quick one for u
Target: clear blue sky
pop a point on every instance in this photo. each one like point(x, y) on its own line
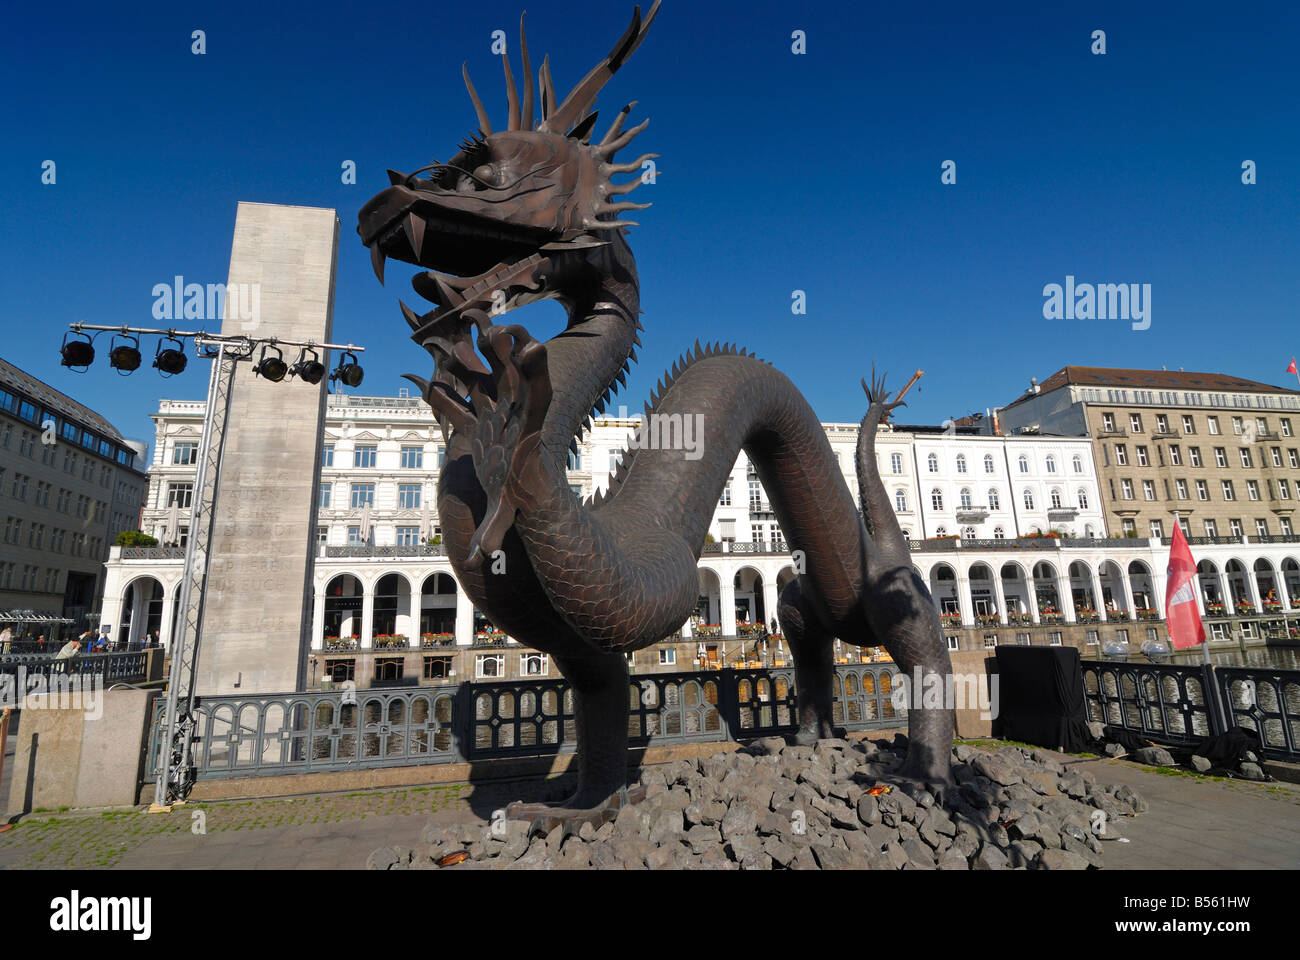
point(780, 172)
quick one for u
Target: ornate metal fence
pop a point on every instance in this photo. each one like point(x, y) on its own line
point(1182, 705)
point(1163, 701)
point(1267, 701)
point(350, 729)
point(311, 732)
point(113, 667)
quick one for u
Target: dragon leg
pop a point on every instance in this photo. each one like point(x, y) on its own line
point(813, 649)
point(601, 708)
point(901, 614)
point(600, 688)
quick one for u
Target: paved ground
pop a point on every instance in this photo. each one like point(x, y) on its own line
point(1194, 822)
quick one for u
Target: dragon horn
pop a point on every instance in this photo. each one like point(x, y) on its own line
point(631, 166)
point(512, 99)
point(617, 125)
point(548, 90)
point(614, 146)
point(485, 127)
point(567, 113)
point(526, 116)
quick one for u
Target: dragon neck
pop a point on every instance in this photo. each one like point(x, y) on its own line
point(592, 354)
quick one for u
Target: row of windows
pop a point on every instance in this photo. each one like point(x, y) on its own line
point(1235, 527)
point(1188, 399)
point(1241, 426)
point(1227, 489)
point(969, 532)
point(50, 455)
point(486, 666)
point(1273, 455)
point(28, 577)
point(1022, 462)
point(405, 536)
point(965, 500)
point(60, 426)
point(21, 486)
point(366, 455)
point(58, 538)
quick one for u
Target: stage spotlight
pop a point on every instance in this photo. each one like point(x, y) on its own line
point(310, 369)
point(77, 353)
point(171, 360)
point(349, 372)
point(272, 368)
point(125, 357)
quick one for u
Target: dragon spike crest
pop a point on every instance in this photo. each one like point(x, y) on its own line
point(517, 206)
point(574, 116)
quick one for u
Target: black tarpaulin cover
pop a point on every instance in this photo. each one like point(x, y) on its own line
point(1040, 697)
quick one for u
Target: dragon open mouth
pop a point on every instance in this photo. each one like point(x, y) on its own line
point(412, 226)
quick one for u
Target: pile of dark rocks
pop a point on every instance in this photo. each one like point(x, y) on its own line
point(829, 806)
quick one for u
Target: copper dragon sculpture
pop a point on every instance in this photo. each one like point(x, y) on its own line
point(531, 212)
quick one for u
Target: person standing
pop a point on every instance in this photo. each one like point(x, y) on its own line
point(70, 649)
point(6, 636)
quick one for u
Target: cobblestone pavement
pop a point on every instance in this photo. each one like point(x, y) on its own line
point(1193, 822)
point(325, 831)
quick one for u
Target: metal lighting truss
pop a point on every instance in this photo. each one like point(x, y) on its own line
point(176, 771)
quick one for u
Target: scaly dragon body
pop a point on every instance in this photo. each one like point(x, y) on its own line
point(527, 214)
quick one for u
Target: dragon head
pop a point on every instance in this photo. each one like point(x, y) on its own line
point(501, 222)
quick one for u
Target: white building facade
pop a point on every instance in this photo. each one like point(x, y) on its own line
point(383, 584)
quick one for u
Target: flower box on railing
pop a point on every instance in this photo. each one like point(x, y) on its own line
point(987, 619)
point(1295, 604)
point(1087, 616)
point(1146, 613)
point(1272, 604)
point(336, 644)
point(950, 619)
point(1019, 618)
point(1244, 609)
point(437, 640)
point(1215, 610)
point(749, 629)
point(389, 641)
point(708, 631)
point(1051, 618)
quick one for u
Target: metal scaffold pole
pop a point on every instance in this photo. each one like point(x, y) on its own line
point(175, 768)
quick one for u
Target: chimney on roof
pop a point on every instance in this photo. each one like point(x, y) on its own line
point(1033, 384)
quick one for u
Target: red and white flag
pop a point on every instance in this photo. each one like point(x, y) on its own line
point(1292, 368)
point(1185, 629)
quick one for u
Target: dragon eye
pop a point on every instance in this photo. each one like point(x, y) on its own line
point(487, 173)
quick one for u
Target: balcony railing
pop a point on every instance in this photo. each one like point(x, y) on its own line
point(771, 547)
point(153, 553)
point(393, 550)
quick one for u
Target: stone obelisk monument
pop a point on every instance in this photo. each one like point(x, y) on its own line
point(257, 605)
